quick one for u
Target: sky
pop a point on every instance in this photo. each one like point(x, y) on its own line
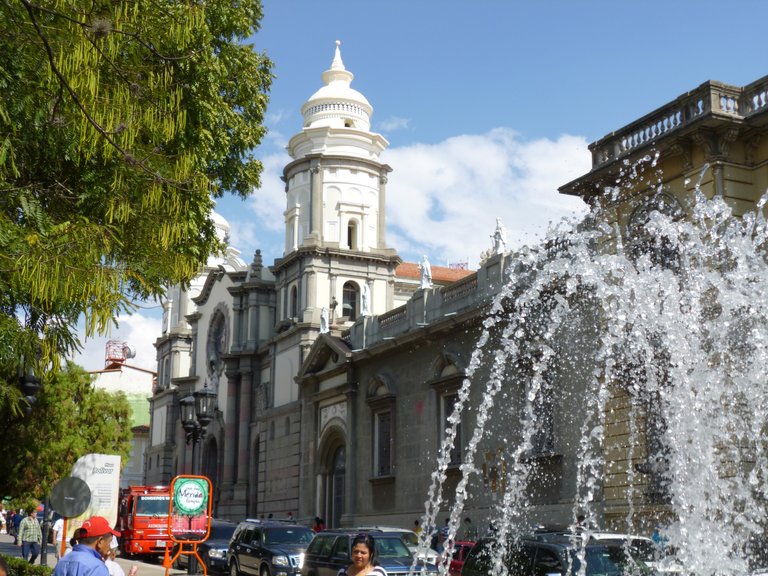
point(488, 106)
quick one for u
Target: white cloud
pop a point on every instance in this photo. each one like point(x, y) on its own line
point(443, 199)
point(394, 123)
point(139, 330)
point(258, 221)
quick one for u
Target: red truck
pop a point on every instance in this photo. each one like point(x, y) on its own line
point(143, 520)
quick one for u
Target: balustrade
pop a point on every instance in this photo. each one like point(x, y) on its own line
point(711, 97)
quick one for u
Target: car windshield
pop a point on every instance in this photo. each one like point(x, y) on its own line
point(410, 539)
point(644, 550)
point(390, 547)
point(152, 506)
point(601, 561)
point(293, 535)
point(222, 531)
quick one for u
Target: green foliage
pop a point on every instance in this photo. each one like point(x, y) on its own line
point(69, 419)
point(120, 121)
point(19, 567)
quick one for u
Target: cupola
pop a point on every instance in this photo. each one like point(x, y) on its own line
point(337, 104)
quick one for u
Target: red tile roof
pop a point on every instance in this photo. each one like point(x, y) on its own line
point(440, 274)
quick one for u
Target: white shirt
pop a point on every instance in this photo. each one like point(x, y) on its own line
point(58, 527)
point(114, 568)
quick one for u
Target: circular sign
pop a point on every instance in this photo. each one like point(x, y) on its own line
point(70, 497)
point(190, 496)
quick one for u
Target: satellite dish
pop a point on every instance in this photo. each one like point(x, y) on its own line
point(70, 497)
point(129, 351)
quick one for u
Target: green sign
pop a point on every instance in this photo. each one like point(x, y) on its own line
point(190, 496)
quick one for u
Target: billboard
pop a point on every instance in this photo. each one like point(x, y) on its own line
point(102, 474)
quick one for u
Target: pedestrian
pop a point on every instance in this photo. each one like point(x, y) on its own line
point(319, 524)
point(94, 544)
point(17, 518)
point(58, 536)
point(416, 527)
point(469, 530)
point(363, 558)
point(30, 536)
point(114, 568)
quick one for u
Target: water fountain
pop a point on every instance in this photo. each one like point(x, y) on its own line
point(663, 327)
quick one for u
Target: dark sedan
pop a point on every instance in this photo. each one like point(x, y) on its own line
point(214, 550)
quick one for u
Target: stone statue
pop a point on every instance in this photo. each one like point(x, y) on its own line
point(426, 273)
point(214, 368)
point(324, 320)
point(365, 297)
point(334, 303)
point(499, 238)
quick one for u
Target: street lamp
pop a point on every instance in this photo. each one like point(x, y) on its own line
point(197, 411)
point(29, 384)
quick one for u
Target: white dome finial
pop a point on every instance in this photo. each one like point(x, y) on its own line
point(337, 63)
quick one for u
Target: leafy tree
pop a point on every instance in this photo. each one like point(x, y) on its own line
point(120, 122)
point(71, 418)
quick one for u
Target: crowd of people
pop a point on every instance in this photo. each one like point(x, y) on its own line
point(91, 551)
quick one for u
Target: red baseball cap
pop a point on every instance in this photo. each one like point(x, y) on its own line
point(96, 526)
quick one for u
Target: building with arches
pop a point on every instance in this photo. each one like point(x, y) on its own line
point(336, 368)
point(245, 330)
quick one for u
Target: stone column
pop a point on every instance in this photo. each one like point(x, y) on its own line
point(253, 321)
point(240, 492)
point(382, 223)
point(352, 435)
point(316, 208)
point(230, 436)
point(237, 328)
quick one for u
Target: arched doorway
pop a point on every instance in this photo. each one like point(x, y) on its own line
point(336, 485)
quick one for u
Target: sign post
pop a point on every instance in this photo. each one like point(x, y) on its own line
point(189, 518)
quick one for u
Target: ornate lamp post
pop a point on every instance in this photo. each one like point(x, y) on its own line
point(197, 411)
point(29, 385)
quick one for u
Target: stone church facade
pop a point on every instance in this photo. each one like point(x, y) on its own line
point(336, 372)
point(245, 330)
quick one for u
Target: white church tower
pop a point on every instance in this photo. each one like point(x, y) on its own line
point(335, 255)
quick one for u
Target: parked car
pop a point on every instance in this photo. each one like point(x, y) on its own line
point(640, 548)
point(411, 540)
point(214, 550)
point(546, 557)
point(330, 550)
point(267, 548)
point(461, 549)
point(644, 549)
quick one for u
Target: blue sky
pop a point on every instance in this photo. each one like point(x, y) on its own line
point(488, 106)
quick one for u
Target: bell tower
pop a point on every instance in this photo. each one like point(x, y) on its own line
point(335, 186)
point(335, 254)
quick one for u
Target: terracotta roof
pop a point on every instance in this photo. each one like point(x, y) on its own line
point(440, 274)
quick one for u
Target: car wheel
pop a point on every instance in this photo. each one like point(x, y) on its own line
point(233, 571)
point(264, 571)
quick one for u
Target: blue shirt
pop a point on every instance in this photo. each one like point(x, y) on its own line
point(82, 561)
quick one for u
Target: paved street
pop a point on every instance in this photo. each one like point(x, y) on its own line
point(7, 548)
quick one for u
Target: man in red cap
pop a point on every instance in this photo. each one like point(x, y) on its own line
point(94, 541)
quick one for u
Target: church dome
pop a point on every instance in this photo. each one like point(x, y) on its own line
point(221, 225)
point(337, 104)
